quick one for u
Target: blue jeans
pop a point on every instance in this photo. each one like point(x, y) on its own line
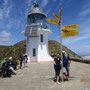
point(7, 70)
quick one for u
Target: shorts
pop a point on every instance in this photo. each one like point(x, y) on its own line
point(66, 69)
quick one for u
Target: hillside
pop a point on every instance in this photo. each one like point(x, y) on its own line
point(18, 48)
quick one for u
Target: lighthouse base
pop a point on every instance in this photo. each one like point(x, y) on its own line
point(37, 47)
point(40, 61)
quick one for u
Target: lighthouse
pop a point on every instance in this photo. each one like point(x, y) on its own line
point(37, 36)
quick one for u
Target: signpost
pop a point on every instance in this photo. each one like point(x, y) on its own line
point(68, 33)
point(65, 31)
point(71, 26)
point(60, 13)
point(53, 21)
point(56, 16)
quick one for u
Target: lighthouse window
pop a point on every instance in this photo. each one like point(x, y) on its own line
point(34, 52)
point(41, 37)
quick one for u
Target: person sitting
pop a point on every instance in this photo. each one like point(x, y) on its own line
point(11, 65)
point(4, 68)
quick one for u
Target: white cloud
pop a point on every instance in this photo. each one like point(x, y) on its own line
point(85, 9)
point(5, 37)
point(54, 0)
point(5, 11)
point(85, 46)
point(69, 1)
point(73, 40)
point(64, 1)
point(5, 2)
point(44, 3)
point(85, 12)
point(48, 11)
point(80, 48)
point(28, 6)
point(7, 8)
point(9, 22)
point(1, 14)
point(86, 4)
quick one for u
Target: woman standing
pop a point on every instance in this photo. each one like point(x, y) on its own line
point(57, 67)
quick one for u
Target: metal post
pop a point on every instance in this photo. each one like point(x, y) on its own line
point(61, 37)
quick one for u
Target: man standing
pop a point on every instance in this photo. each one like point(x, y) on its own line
point(66, 64)
point(21, 59)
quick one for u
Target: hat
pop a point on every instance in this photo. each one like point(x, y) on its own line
point(63, 52)
point(10, 58)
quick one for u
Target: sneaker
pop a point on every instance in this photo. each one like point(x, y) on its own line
point(58, 82)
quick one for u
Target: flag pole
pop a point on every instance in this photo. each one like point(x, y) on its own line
point(60, 13)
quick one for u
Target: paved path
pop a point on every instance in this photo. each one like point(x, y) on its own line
point(40, 77)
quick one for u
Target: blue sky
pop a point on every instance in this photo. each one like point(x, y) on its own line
point(13, 19)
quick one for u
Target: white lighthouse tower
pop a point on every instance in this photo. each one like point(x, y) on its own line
point(37, 36)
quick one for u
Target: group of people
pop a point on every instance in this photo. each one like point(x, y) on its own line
point(8, 67)
point(62, 64)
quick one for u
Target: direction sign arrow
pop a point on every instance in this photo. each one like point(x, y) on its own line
point(71, 26)
point(56, 16)
point(68, 33)
point(53, 21)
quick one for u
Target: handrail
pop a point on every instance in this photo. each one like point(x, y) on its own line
point(33, 24)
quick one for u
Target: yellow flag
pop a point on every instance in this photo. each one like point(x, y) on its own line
point(53, 21)
point(56, 16)
point(71, 26)
point(68, 33)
